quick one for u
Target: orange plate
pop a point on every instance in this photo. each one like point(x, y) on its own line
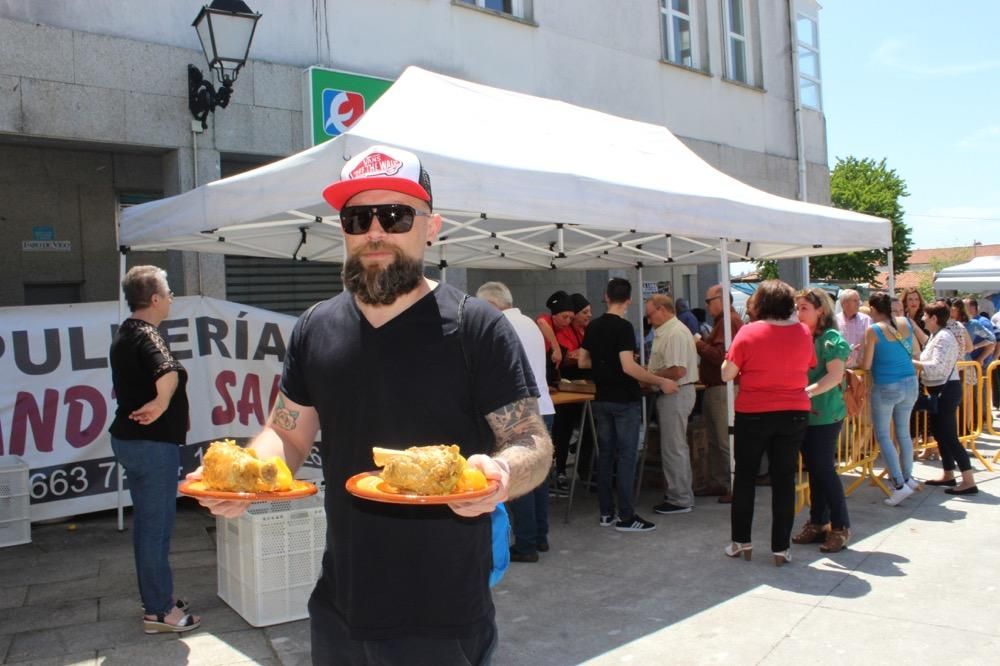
point(369, 486)
point(299, 490)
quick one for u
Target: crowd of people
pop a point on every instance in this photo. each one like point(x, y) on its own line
point(788, 361)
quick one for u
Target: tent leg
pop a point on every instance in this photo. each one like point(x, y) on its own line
point(118, 467)
point(727, 329)
point(892, 273)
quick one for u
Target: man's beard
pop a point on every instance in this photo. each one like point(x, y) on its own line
point(378, 285)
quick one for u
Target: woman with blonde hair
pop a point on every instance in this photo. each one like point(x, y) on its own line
point(828, 520)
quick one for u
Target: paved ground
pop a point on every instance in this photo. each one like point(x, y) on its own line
point(918, 585)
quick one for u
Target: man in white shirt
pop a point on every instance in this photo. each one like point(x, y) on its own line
point(530, 512)
point(852, 324)
point(674, 356)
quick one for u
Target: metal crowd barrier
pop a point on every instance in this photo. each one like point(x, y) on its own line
point(857, 449)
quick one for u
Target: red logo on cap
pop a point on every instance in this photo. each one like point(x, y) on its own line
point(376, 164)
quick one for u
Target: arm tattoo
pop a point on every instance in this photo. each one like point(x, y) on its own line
point(284, 418)
point(524, 442)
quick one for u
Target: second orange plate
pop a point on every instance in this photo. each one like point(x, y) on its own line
point(369, 485)
point(198, 489)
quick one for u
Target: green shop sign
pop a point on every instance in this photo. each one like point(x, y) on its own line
point(336, 100)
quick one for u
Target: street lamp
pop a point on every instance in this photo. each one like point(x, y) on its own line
point(225, 29)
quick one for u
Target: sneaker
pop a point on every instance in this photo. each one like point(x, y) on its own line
point(668, 509)
point(898, 495)
point(914, 484)
point(607, 520)
point(634, 524)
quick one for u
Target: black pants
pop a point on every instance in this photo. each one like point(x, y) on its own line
point(568, 417)
point(779, 435)
point(826, 493)
point(333, 646)
point(944, 426)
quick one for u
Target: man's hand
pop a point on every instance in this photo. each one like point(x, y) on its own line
point(668, 385)
point(557, 355)
point(491, 469)
point(224, 508)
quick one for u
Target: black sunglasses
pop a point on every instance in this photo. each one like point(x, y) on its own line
point(393, 218)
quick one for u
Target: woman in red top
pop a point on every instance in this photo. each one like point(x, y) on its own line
point(571, 337)
point(772, 357)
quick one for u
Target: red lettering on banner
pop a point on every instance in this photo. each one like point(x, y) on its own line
point(43, 425)
point(275, 387)
point(250, 400)
point(226, 413)
point(77, 397)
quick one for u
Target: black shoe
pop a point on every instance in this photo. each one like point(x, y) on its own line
point(951, 483)
point(971, 490)
point(667, 509)
point(543, 547)
point(516, 556)
point(634, 524)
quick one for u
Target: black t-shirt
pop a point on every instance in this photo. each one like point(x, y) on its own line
point(393, 570)
point(606, 337)
point(140, 356)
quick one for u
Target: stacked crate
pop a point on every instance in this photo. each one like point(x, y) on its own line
point(270, 559)
point(15, 516)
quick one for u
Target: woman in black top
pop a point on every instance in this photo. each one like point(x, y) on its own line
point(149, 426)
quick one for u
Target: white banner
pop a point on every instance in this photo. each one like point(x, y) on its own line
point(56, 402)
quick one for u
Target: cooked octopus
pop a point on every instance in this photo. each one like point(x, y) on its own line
point(424, 470)
point(227, 466)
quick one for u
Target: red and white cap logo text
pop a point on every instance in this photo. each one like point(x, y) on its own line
point(376, 164)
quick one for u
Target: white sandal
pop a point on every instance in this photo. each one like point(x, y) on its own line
point(161, 626)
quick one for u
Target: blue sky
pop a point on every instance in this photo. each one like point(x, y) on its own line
point(918, 83)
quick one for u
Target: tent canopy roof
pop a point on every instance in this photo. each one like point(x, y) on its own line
point(522, 182)
point(981, 275)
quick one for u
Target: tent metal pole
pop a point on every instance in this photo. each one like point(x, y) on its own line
point(444, 263)
point(642, 361)
point(118, 467)
point(727, 330)
point(892, 272)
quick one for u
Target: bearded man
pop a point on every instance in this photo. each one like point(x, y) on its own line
point(399, 360)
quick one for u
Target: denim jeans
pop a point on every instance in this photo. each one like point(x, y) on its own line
point(530, 514)
point(618, 426)
point(944, 426)
point(826, 493)
point(892, 404)
point(779, 435)
point(152, 469)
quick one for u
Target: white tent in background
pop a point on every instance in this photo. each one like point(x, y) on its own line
point(523, 182)
point(979, 276)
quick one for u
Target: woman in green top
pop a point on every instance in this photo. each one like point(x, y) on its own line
point(828, 521)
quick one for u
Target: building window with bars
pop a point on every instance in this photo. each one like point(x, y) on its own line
point(737, 41)
point(679, 29)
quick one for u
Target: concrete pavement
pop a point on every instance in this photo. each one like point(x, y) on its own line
point(917, 584)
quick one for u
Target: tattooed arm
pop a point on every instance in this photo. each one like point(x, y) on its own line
point(522, 457)
point(290, 432)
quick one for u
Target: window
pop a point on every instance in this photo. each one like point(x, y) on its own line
point(519, 8)
point(807, 35)
point(737, 41)
point(678, 27)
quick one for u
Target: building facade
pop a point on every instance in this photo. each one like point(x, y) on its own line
point(94, 115)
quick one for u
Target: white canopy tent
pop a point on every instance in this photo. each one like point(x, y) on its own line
point(979, 276)
point(521, 182)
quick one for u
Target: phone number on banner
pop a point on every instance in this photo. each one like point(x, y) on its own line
point(97, 476)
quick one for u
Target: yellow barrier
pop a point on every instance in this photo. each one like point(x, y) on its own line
point(857, 449)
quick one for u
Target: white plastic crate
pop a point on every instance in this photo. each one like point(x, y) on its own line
point(15, 517)
point(270, 559)
point(13, 476)
point(14, 532)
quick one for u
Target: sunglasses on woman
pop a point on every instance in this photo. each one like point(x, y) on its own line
point(393, 218)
